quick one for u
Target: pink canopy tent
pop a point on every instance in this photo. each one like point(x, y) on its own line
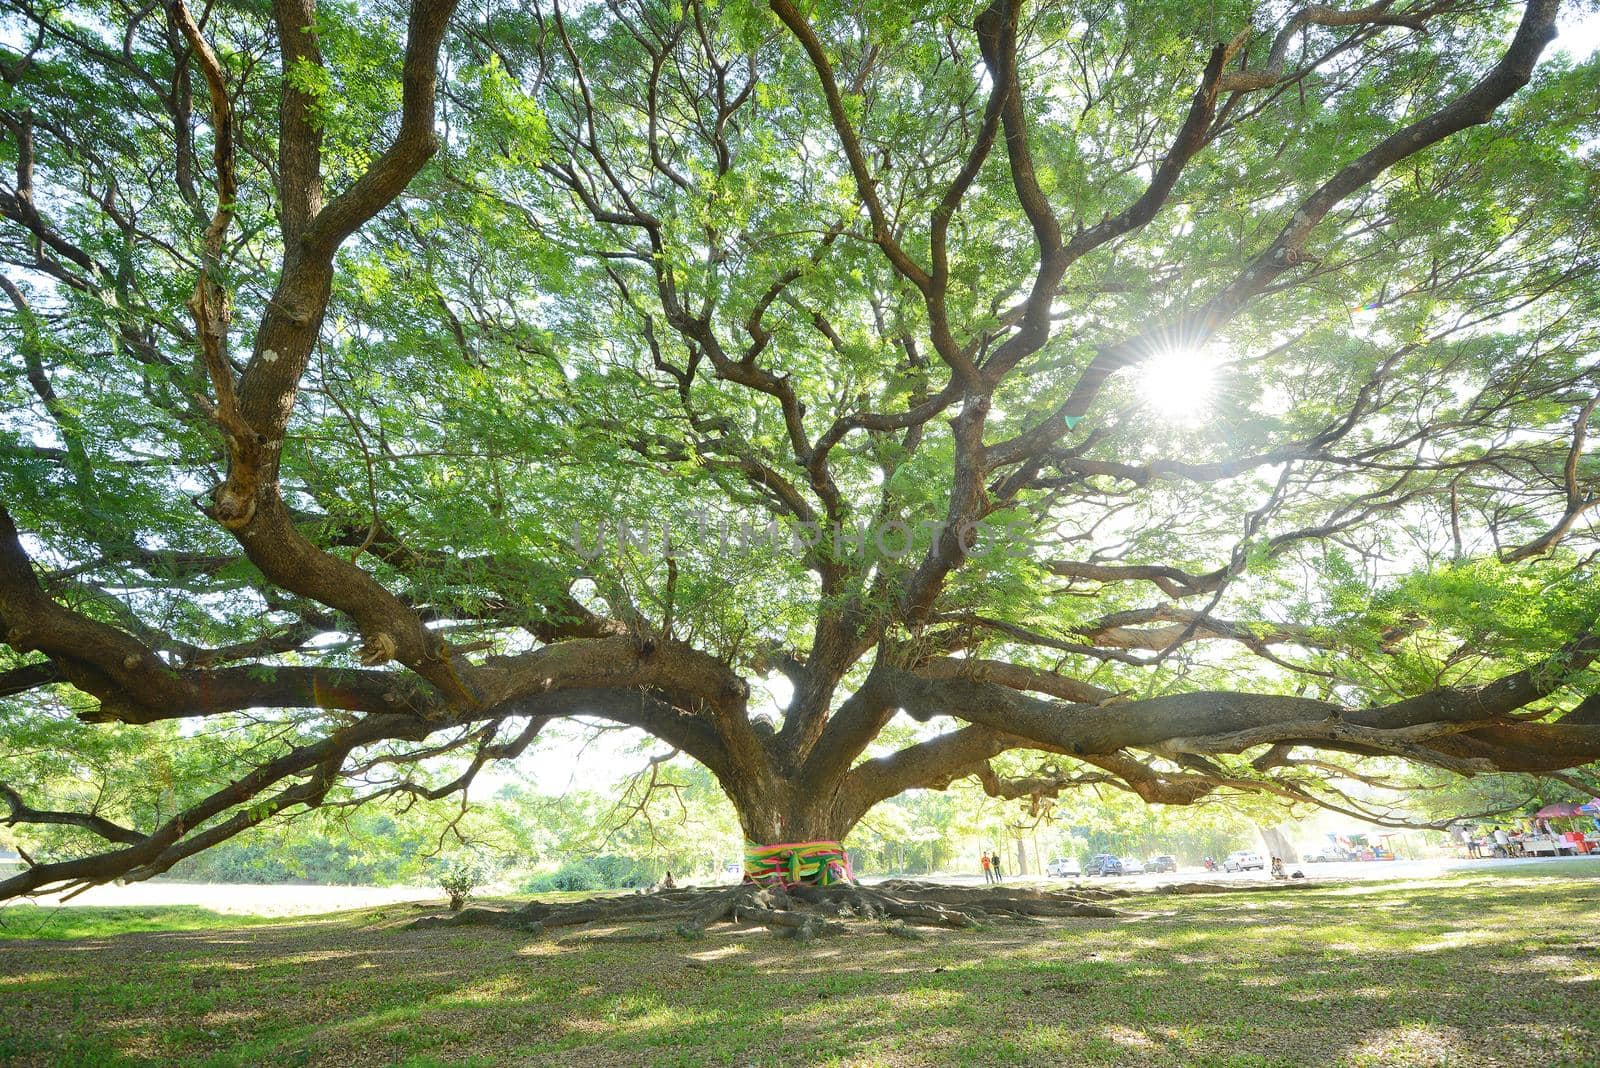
point(1563, 811)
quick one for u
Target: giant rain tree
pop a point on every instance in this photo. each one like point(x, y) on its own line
point(1194, 397)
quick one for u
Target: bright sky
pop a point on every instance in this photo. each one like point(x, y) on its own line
point(1579, 32)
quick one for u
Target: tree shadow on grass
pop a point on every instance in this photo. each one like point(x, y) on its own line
point(1404, 974)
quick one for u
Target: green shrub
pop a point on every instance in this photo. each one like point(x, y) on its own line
point(606, 872)
point(617, 873)
point(458, 879)
point(573, 875)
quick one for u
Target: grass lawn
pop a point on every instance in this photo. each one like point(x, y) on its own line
point(1477, 969)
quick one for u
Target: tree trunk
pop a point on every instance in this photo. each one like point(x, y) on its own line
point(810, 908)
point(781, 815)
point(1278, 844)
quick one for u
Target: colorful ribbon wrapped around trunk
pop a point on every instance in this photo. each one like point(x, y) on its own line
point(793, 863)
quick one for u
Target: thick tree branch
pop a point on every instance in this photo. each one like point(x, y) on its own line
point(21, 812)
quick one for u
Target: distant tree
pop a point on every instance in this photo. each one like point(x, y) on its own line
point(674, 817)
point(1195, 397)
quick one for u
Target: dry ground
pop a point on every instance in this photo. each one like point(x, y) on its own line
point(1479, 969)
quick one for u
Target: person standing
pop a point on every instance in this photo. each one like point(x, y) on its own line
point(983, 862)
point(994, 862)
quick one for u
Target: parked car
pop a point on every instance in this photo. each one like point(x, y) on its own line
point(1165, 862)
point(1243, 860)
point(1103, 864)
point(1130, 866)
point(1327, 855)
point(1063, 868)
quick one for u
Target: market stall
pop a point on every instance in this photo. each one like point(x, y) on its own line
point(1370, 846)
point(1558, 830)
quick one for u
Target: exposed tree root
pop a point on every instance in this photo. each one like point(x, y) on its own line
point(801, 913)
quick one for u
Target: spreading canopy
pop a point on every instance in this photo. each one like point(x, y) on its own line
point(1196, 395)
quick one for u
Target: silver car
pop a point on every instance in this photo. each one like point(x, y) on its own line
point(1243, 860)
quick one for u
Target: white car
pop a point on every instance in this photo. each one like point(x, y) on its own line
point(1130, 866)
point(1243, 860)
point(1063, 868)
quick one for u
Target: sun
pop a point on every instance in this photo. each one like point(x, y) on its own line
point(1178, 385)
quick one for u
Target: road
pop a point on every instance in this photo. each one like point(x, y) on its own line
point(1389, 869)
point(296, 900)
